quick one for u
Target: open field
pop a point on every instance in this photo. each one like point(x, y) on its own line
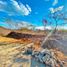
point(11, 55)
point(14, 43)
point(11, 52)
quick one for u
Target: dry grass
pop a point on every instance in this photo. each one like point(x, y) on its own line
point(12, 40)
point(5, 39)
point(9, 50)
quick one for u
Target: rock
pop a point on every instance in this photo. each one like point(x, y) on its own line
point(47, 57)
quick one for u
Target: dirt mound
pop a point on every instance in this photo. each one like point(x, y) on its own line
point(18, 35)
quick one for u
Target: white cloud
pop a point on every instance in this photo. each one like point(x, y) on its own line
point(12, 7)
point(53, 10)
point(42, 27)
point(55, 2)
point(62, 27)
point(2, 5)
point(21, 24)
point(1, 2)
point(16, 5)
point(28, 7)
point(22, 8)
point(50, 27)
point(25, 9)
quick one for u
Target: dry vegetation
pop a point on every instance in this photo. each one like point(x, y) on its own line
point(14, 48)
point(11, 49)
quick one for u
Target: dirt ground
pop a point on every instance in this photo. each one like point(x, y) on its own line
point(11, 51)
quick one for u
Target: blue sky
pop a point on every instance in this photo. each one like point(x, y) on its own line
point(31, 11)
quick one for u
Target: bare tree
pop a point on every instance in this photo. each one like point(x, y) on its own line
point(56, 17)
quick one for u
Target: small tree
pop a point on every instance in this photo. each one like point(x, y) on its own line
point(57, 16)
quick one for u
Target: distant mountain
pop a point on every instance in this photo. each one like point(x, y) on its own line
point(25, 25)
point(20, 25)
point(16, 27)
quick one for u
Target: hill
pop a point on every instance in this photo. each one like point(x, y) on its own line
point(4, 31)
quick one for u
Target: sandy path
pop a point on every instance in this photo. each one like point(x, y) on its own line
point(9, 52)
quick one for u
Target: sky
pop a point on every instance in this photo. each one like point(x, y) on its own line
point(30, 11)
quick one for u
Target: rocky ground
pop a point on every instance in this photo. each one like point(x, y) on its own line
point(12, 53)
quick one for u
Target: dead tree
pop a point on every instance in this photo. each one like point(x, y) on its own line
point(56, 17)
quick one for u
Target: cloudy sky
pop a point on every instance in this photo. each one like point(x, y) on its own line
point(31, 11)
